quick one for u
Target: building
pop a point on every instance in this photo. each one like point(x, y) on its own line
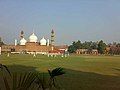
point(33, 45)
point(81, 51)
point(86, 51)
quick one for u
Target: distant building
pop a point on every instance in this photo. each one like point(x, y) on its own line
point(33, 45)
point(81, 51)
point(62, 48)
point(86, 51)
point(113, 49)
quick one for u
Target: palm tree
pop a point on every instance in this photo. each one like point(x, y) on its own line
point(18, 82)
point(25, 81)
point(53, 74)
point(41, 82)
point(3, 69)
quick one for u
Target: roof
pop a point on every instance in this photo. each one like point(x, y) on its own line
point(62, 47)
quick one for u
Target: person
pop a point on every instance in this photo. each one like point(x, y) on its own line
point(8, 55)
point(62, 55)
point(34, 55)
point(48, 55)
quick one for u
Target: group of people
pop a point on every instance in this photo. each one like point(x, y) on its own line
point(49, 55)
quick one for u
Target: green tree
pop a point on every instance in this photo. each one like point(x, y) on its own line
point(30, 80)
point(53, 74)
point(71, 49)
point(101, 47)
point(86, 45)
point(78, 44)
point(94, 45)
point(75, 45)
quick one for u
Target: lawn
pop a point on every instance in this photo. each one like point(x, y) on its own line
point(82, 72)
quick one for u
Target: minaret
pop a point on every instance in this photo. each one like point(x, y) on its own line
point(21, 34)
point(15, 42)
point(52, 37)
point(48, 42)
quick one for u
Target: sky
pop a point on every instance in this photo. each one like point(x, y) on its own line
point(84, 20)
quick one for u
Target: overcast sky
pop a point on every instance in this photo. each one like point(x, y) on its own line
point(85, 20)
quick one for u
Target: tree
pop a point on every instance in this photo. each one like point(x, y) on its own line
point(94, 45)
point(86, 45)
point(53, 74)
point(78, 45)
point(115, 49)
point(75, 45)
point(101, 47)
point(71, 49)
point(30, 80)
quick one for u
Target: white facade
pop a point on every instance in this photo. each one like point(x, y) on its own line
point(33, 38)
point(23, 41)
point(15, 42)
point(48, 42)
point(43, 41)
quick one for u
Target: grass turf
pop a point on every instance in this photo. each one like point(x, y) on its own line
point(82, 72)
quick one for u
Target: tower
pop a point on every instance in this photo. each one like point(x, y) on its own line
point(52, 37)
point(15, 42)
point(21, 34)
point(48, 42)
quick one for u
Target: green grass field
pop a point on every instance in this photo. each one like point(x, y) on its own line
point(82, 72)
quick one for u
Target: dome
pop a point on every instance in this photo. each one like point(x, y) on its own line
point(23, 41)
point(43, 41)
point(33, 38)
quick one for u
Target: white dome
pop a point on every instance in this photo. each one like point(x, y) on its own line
point(23, 41)
point(43, 41)
point(33, 38)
